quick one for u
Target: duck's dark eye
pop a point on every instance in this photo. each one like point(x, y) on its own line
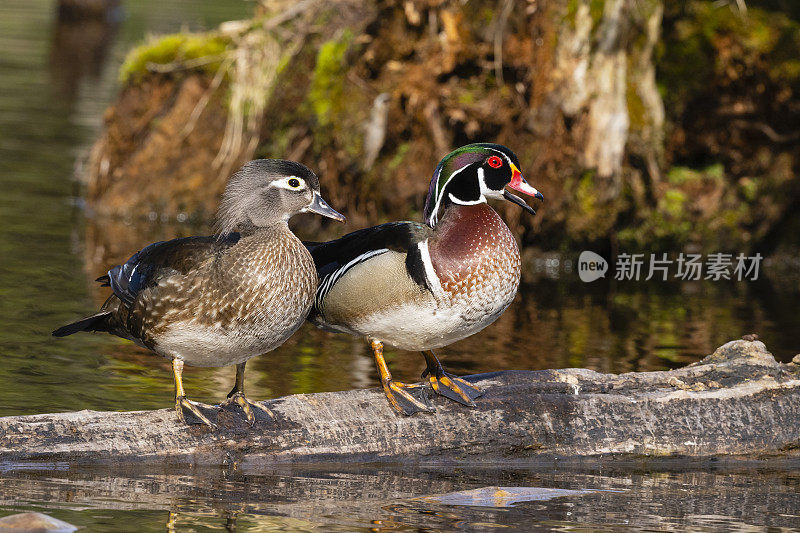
point(495, 162)
point(294, 183)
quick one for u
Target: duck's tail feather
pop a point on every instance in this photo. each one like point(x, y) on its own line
point(90, 323)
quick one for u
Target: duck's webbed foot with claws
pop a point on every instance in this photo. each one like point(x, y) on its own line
point(405, 399)
point(189, 412)
point(238, 401)
point(448, 385)
point(251, 410)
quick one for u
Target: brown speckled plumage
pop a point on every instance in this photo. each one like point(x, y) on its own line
point(220, 300)
point(254, 294)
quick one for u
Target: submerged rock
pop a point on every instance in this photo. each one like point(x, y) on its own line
point(34, 523)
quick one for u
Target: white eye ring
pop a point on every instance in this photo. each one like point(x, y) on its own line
point(291, 183)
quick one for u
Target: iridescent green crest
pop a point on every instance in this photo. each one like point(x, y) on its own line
point(453, 163)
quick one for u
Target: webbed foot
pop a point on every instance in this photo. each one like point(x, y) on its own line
point(406, 399)
point(250, 409)
point(448, 385)
point(455, 388)
point(190, 412)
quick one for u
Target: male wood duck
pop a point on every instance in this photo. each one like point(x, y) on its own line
point(424, 286)
point(220, 300)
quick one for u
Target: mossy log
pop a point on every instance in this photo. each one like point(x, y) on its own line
point(738, 400)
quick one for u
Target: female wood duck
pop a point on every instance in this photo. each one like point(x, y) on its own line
point(220, 300)
point(424, 286)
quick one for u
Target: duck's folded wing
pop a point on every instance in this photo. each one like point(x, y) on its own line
point(158, 260)
point(334, 258)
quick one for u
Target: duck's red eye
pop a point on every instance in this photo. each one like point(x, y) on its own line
point(495, 162)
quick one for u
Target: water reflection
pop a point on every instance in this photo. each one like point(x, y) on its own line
point(82, 36)
point(555, 322)
point(702, 497)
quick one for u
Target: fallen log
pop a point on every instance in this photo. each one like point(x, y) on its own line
point(738, 400)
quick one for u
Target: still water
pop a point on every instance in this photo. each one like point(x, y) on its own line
point(55, 82)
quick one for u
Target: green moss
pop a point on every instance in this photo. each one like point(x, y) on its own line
point(327, 86)
point(667, 225)
point(749, 189)
point(283, 63)
point(586, 195)
point(466, 98)
point(673, 203)
point(679, 218)
point(716, 172)
point(788, 70)
point(638, 114)
point(683, 175)
point(486, 16)
point(596, 9)
point(680, 175)
point(572, 11)
point(171, 48)
point(399, 157)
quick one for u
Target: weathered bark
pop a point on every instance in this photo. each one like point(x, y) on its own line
point(739, 400)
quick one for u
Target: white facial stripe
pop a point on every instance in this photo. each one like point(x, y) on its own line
point(485, 191)
point(435, 215)
point(482, 180)
point(481, 200)
point(504, 156)
point(284, 183)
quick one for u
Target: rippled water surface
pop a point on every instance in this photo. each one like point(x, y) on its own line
point(55, 82)
point(626, 497)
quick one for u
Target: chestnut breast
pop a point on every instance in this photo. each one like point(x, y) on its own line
point(476, 257)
